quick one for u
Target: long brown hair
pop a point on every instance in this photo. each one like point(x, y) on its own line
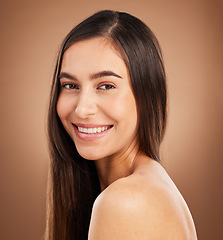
point(74, 183)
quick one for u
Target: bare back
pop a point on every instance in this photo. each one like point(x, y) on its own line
point(144, 205)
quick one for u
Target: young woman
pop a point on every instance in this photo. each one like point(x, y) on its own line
point(107, 118)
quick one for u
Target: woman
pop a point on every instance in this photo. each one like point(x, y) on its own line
point(106, 121)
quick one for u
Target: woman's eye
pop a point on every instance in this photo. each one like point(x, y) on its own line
point(70, 86)
point(106, 86)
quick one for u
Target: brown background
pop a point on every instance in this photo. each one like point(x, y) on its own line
point(190, 33)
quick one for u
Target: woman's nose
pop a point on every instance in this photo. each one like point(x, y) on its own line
point(86, 105)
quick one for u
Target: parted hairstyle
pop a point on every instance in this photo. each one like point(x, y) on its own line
point(74, 184)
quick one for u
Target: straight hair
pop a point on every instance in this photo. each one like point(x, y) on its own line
point(74, 184)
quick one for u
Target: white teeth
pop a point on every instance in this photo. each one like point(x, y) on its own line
point(92, 130)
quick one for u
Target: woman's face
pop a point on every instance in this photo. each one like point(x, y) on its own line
point(96, 104)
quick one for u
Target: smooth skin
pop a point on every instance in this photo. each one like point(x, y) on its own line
point(138, 199)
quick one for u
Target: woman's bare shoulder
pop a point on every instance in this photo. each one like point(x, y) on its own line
point(140, 206)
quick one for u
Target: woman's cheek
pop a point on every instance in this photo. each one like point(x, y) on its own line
point(65, 106)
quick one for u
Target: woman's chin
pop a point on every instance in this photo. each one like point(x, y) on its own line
point(90, 155)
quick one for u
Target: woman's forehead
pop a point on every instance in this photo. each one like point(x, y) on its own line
point(93, 53)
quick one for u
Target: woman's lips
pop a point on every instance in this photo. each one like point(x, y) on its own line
point(91, 131)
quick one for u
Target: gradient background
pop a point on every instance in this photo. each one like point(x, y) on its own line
point(190, 34)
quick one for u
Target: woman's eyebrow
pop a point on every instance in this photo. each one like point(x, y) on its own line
point(66, 75)
point(104, 74)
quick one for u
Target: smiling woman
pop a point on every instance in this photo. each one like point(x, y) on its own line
point(106, 121)
point(101, 80)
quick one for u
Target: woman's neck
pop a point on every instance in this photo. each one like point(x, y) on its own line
point(116, 166)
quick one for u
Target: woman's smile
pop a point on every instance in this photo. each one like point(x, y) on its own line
point(94, 130)
point(91, 131)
